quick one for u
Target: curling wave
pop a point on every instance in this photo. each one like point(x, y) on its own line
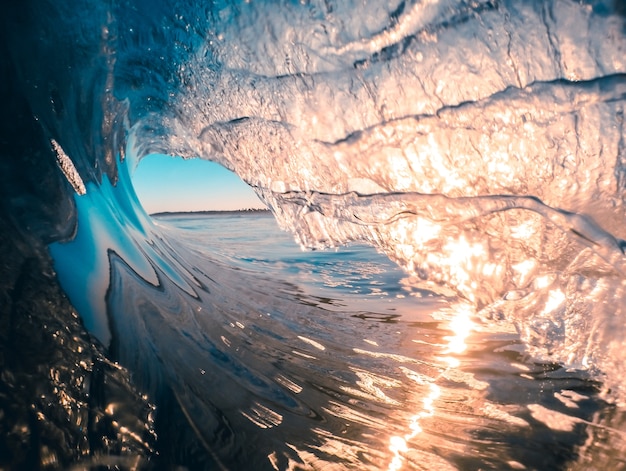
point(480, 145)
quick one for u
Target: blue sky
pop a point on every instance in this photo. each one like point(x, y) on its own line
point(165, 183)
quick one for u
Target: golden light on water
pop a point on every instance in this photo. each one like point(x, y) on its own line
point(462, 258)
point(461, 325)
point(399, 445)
point(556, 298)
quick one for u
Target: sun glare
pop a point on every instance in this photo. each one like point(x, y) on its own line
point(461, 326)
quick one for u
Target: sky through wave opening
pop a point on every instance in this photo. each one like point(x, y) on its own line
point(170, 184)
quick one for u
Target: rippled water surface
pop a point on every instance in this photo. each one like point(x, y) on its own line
point(347, 362)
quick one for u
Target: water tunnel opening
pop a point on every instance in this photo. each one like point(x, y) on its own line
point(166, 184)
point(182, 192)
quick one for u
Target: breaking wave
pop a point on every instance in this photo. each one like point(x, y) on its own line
point(478, 144)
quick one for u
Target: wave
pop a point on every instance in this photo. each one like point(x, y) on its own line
point(479, 145)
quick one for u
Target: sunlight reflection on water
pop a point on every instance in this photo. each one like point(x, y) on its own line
point(461, 325)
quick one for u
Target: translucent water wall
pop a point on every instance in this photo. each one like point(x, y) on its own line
point(478, 144)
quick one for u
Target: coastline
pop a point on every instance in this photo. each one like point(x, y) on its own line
point(211, 212)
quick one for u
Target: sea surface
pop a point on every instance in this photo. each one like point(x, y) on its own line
point(386, 375)
point(350, 278)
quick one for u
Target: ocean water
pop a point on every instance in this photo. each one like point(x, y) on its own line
point(350, 363)
point(454, 171)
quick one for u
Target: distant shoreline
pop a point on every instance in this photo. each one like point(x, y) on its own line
point(211, 212)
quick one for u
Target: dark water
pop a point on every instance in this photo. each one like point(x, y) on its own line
point(466, 160)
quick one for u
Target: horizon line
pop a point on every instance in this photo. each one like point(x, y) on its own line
point(211, 211)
